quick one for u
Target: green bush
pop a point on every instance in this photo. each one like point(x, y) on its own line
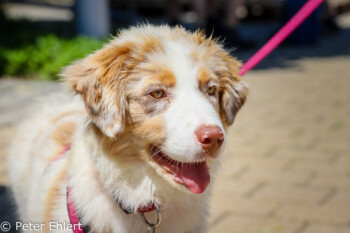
point(45, 58)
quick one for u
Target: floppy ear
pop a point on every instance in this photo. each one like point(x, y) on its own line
point(234, 92)
point(233, 100)
point(99, 80)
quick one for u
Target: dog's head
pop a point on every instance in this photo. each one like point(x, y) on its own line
point(174, 90)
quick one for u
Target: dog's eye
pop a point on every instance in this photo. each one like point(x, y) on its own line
point(211, 90)
point(157, 94)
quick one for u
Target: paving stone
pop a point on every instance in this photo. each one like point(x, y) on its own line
point(240, 204)
point(322, 228)
point(313, 213)
point(236, 224)
point(233, 223)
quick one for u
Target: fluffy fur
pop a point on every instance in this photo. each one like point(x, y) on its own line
point(113, 130)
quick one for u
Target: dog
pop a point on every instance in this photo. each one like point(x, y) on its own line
point(136, 148)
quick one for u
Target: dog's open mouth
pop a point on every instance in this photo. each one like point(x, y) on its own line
point(195, 176)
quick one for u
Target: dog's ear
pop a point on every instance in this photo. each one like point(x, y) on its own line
point(99, 79)
point(234, 91)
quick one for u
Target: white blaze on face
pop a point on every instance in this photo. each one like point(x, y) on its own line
point(188, 109)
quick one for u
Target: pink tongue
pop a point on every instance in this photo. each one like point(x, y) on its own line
point(196, 177)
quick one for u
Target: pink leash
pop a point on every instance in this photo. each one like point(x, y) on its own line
point(281, 35)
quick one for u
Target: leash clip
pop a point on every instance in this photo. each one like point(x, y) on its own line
point(151, 227)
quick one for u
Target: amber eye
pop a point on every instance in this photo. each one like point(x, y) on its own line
point(157, 94)
point(211, 90)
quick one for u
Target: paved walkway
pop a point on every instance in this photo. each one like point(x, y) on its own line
point(287, 166)
point(287, 161)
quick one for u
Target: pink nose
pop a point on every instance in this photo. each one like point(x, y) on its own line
point(210, 137)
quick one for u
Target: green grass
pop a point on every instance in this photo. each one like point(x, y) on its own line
point(45, 58)
point(39, 50)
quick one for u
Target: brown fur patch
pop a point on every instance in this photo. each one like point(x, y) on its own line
point(63, 133)
point(199, 37)
point(162, 75)
point(203, 77)
point(167, 77)
point(52, 196)
point(151, 129)
point(195, 55)
point(148, 44)
point(109, 55)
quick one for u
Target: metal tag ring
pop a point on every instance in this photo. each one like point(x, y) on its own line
point(152, 225)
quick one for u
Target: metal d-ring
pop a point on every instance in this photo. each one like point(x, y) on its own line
point(152, 226)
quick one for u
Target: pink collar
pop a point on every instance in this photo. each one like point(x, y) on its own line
point(73, 215)
point(142, 209)
point(77, 227)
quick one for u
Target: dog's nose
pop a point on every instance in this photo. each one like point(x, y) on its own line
point(210, 137)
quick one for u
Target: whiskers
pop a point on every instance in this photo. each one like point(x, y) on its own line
point(157, 150)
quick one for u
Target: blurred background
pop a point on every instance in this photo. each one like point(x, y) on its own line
point(34, 32)
point(286, 166)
